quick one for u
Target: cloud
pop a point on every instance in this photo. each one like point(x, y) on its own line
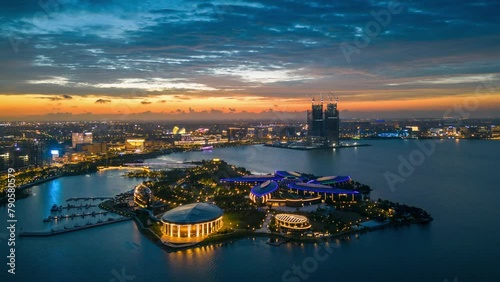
point(102, 101)
point(189, 50)
point(452, 80)
point(57, 98)
point(155, 84)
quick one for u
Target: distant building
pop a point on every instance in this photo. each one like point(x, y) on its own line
point(135, 145)
point(323, 127)
point(495, 131)
point(4, 159)
point(236, 133)
point(21, 154)
point(96, 149)
point(332, 124)
point(81, 138)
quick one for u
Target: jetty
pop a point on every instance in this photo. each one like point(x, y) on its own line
point(71, 216)
point(88, 199)
point(75, 228)
point(69, 206)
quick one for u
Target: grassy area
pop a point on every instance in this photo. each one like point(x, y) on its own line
point(243, 220)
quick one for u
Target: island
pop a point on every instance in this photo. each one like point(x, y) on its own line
point(216, 202)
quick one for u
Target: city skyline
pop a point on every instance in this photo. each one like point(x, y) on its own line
point(178, 60)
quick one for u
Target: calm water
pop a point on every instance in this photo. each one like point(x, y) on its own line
point(458, 184)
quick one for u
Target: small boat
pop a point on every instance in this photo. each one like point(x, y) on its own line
point(54, 207)
point(207, 148)
point(88, 223)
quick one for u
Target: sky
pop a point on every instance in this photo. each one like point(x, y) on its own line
point(193, 60)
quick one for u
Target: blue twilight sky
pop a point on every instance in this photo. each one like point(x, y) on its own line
point(406, 58)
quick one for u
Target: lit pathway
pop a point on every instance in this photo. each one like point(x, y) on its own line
point(264, 228)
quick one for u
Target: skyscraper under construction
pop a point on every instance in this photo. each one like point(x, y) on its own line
point(324, 126)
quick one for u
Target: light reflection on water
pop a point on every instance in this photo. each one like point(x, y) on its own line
point(444, 249)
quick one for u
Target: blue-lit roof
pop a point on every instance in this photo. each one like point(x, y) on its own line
point(264, 188)
point(330, 180)
point(286, 173)
point(192, 213)
point(320, 188)
point(252, 178)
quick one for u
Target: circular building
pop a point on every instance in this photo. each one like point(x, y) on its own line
point(261, 193)
point(192, 221)
point(143, 196)
point(292, 221)
point(334, 181)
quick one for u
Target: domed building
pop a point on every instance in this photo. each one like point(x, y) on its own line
point(192, 221)
point(261, 193)
point(143, 196)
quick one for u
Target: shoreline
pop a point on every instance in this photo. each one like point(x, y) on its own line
point(315, 148)
point(245, 234)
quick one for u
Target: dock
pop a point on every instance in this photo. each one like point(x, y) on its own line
point(71, 216)
point(89, 199)
point(57, 232)
point(69, 206)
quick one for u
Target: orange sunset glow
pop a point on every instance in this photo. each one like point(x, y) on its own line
point(200, 63)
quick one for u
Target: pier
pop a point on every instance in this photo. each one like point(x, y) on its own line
point(69, 206)
point(71, 216)
point(66, 230)
point(89, 199)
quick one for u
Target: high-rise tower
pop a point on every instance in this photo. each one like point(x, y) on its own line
point(324, 126)
point(332, 123)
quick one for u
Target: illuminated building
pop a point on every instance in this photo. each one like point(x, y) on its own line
point(135, 145)
point(192, 221)
point(81, 138)
point(323, 127)
point(236, 133)
point(292, 221)
point(95, 149)
point(290, 188)
point(332, 124)
point(143, 196)
point(261, 193)
point(334, 181)
point(323, 191)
